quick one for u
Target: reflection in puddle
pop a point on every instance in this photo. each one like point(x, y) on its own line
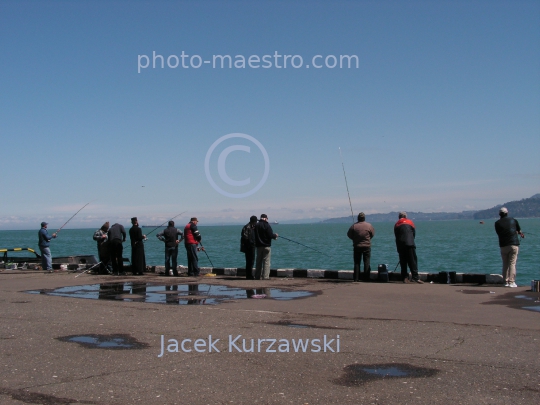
point(358, 374)
point(115, 342)
point(176, 294)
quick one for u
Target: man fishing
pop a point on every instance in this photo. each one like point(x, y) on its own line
point(172, 237)
point(192, 238)
point(44, 243)
point(361, 234)
point(405, 232)
point(247, 245)
point(508, 229)
point(138, 260)
point(263, 242)
point(116, 236)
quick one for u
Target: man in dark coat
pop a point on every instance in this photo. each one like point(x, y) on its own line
point(508, 229)
point(138, 261)
point(361, 234)
point(116, 236)
point(405, 233)
point(247, 245)
point(263, 242)
point(172, 237)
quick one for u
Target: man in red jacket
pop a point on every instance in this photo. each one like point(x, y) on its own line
point(192, 237)
point(405, 233)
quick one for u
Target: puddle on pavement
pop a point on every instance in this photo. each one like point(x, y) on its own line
point(475, 291)
point(111, 342)
point(291, 324)
point(358, 374)
point(174, 294)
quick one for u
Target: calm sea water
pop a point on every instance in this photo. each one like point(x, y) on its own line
point(461, 246)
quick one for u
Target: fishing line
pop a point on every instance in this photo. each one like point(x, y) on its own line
point(301, 244)
point(346, 184)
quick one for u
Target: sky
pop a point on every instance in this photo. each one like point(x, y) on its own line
point(435, 106)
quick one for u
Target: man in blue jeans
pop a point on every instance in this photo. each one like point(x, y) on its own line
point(44, 243)
point(172, 238)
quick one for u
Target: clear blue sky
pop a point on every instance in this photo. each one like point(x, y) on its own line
point(442, 113)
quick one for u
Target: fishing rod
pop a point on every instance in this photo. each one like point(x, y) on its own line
point(301, 244)
point(72, 217)
point(346, 184)
point(204, 250)
point(157, 227)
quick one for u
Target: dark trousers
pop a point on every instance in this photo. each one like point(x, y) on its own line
point(115, 250)
point(171, 255)
point(250, 259)
point(407, 257)
point(192, 260)
point(359, 254)
point(104, 258)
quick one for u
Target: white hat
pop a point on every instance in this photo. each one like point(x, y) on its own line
point(503, 210)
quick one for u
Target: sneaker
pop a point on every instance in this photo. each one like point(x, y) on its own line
point(418, 281)
point(513, 285)
point(406, 280)
point(507, 285)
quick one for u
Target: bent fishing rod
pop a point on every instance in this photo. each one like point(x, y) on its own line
point(301, 244)
point(346, 184)
point(73, 216)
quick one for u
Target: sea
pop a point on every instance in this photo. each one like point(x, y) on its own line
point(464, 246)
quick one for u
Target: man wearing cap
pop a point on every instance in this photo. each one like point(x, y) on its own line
point(138, 260)
point(172, 237)
point(44, 243)
point(508, 229)
point(192, 237)
point(405, 233)
point(247, 245)
point(116, 236)
point(263, 242)
point(361, 234)
point(100, 236)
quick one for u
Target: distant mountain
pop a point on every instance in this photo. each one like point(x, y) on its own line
point(525, 208)
point(419, 216)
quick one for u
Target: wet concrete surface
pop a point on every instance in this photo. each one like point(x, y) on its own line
point(176, 294)
point(469, 348)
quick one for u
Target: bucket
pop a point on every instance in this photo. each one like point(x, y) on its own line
point(535, 285)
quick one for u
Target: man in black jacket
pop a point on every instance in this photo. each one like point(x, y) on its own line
point(263, 242)
point(172, 237)
point(116, 235)
point(247, 245)
point(508, 229)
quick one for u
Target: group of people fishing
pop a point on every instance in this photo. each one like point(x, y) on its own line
point(256, 242)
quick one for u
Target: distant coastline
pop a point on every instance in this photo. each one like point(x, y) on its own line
point(525, 208)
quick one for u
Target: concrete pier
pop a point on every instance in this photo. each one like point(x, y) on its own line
point(398, 343)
